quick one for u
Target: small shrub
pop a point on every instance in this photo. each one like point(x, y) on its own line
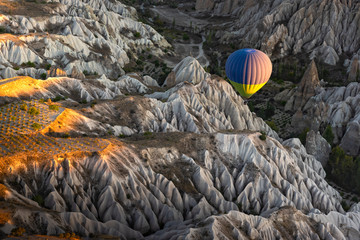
point(128, 69)
point(269, 111)
point(302, 135)
point(156, 62)
point(39, 199)
point(137, 35)
point(263, 136)
point(57, 98)
point(122, 136)
point(48, 67)
point(34, 111)
point(43, 76)
point(345, 206)
point(329, 135)
point(147, 133)
point(354, 199)
point(185, 37)
point(251, 106)
point(16, 68)
point(272, 124)
point(30, 64)
point(36, 126)
point(54, 107)
point(24, 107)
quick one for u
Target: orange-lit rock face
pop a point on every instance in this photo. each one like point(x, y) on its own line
point(3, 18)
point(56, 72)
point(18, 86)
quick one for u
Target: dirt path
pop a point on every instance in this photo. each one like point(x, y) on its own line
point(183, 20)
point(188, 49)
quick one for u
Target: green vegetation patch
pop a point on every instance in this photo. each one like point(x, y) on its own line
point(36, 126)
point(344, 170)
point(54, 107)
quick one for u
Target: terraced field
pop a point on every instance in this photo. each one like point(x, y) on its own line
point(21, 125)
point(27, 117)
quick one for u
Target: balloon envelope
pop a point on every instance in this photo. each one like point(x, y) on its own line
point(248, 70)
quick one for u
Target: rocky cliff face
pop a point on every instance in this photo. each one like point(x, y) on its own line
point(133, 188)
point(96, 37)
point(323, 29)
point(338, 107)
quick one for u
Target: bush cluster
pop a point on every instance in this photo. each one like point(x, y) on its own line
point(344, 170)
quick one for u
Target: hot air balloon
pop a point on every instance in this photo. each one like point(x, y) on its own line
point(248, 70)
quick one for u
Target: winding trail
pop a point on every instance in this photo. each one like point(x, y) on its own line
point(184, 20)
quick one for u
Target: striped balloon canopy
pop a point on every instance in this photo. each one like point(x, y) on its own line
point(248, 70)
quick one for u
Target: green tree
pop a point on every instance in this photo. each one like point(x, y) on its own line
point(24, 107)
point(272, 124)
point(186, 37)
point(54, 107)
point(36, 126)
point(302, 135)
point(344, 170)
point(43, 76)
point(329, 135)
point(263, 136)
point(34, 111)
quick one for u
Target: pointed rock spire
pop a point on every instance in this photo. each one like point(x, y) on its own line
point(354, 71)
point(76, 73)
point(308, 84)
point(189, 69)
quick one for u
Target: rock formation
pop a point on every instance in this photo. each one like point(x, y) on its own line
point(75, 73)
point(56, 72)
point(305, 90)
point(323, 29)
point(95, 36)
point(317, 146)
point(354, 73)
point(189, 69)
point(337, 107)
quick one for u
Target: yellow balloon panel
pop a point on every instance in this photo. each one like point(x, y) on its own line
point(247, 90)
